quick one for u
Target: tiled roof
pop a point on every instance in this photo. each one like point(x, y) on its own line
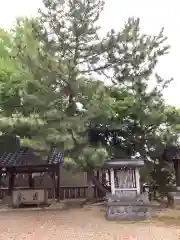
point(55, 157)
point(27, 157)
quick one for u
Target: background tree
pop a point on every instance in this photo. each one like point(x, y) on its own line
point(145, 123)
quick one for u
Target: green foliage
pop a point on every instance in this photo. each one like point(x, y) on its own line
point(88, 159)
point(162, 175)
point(57, 52)
point(50, 64)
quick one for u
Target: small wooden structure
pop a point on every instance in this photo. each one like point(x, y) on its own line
point(25, 161)
point(125, 202)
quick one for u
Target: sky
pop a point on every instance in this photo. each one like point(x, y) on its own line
point(153, 16)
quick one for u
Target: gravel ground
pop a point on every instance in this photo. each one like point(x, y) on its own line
point(78, 224)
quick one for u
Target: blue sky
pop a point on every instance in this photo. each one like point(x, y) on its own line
point(153, 14)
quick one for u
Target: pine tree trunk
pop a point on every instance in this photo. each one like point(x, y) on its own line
point(90, 194)
point(99, 185)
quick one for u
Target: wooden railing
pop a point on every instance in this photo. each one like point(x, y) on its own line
point(70, 192)
point(80, 192)
point(74, 192)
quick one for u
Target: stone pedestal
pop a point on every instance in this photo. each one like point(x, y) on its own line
point(128, 209)
point(173, 199)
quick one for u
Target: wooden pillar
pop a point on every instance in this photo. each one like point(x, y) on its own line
point(1, 178)
point(112, 181)
point(58, 190)
point(176, 168)
point(11, 182)
point(178, 175)
point(53, 176)
point(137, 177)
point(97, 193)
point(31, 180)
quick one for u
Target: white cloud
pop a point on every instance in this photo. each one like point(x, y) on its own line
point(153, 14)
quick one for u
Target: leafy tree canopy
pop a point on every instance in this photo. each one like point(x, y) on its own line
point(54, 63)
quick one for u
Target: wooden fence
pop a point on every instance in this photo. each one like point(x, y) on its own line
point(77, 192)
point(80, 192)
point(45, 181)
point(70, 192)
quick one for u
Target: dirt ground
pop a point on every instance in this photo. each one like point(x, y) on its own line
point(86, 223)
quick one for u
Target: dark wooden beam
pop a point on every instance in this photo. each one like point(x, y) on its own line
point(31, 180)
point(31, 169)
point(98, 177)
point(1, 178)
point(53, 176)
point(11, 183)
point(58, 190)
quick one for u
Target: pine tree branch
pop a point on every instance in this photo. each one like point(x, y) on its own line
point(105, 67)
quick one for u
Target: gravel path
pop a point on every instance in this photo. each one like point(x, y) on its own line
point(78, 224)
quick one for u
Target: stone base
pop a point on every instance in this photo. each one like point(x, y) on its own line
point(173, 199)
point(127, 212)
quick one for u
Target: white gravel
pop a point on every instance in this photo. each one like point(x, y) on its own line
point(78, 224)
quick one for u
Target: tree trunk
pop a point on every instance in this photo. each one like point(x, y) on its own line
point(99, 185)
point(92, 179)
point(90, 193)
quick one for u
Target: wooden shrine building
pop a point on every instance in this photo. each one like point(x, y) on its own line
point(125, 202)
point(26, 161)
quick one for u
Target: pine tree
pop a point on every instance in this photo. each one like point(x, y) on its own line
point(59, 52)
point(135, 56)
point(66, 50)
